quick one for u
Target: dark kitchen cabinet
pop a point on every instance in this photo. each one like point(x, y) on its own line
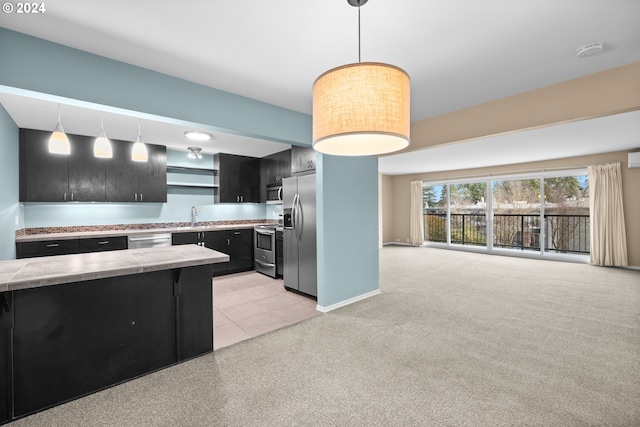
point(195, 312)
point(102, 244)
point(189, 238)
point(46, 248)
point(129, 181)
point(303, 160)
point(47, 177)
point(87, 178)
point(273, 169)
point(69, 246)
point(81, 177)
point(239, 179)
point(73, 339)
point(238, 244)
point(6, 321)
point(44, 177)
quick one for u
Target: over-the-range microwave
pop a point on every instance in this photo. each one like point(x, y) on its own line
point(274, 194)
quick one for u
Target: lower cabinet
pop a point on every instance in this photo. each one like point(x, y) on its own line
point(238, 244)
point(74, 339)
point(46, 248)
point(5, 331)
point(69, 246)
point(188, 238)
point(102, 244)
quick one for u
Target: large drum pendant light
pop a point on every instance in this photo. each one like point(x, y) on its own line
point(362, 108)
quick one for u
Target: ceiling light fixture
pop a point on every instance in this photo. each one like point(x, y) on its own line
point(194, 152)
point(139, 151)
point(196, 135)
point(102, 146)
point(58, 141)
point(362, 108)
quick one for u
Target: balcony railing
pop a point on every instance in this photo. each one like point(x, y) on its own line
point(564, 233)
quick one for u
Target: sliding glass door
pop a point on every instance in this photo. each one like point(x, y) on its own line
point(566, 214)
point(516, 214)
point(533, 214)
point(468, 213)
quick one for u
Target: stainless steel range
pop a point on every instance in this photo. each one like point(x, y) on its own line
point(267, 252)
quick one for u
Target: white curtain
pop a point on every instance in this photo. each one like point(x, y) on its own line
point(416, 237)
point(608, 234)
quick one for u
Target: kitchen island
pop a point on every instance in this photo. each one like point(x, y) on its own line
point(76, 324)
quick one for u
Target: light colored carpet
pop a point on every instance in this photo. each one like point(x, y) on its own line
point(455, 339)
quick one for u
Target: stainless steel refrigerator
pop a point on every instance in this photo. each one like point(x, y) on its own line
point(299, 202)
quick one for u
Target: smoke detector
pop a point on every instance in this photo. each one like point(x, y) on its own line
point(589, 50)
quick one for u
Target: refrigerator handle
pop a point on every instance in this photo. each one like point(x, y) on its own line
point(300, 214)
point(294, 206)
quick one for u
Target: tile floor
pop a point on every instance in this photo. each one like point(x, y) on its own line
point(250, 304)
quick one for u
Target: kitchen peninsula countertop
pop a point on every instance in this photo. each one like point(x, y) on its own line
point(54, 270)
point(129, 232)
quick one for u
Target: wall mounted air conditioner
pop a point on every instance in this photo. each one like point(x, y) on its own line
point(634, 160)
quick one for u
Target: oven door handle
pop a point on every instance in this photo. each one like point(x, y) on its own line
point(266, 232)
point(264, 264)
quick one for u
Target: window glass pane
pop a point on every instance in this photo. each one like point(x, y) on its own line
point(435, 213)
point(566, 214)
point(516, 214)
point(468, 213)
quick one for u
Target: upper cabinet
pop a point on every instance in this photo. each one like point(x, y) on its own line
point(273, 169)
point(303, 160)
point(239, 179)
point(276, 167)
point(129, 181)
point(78, 177)
point(46, 177)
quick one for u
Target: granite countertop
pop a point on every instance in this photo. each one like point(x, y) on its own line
point(112, 233)
point(54, 270)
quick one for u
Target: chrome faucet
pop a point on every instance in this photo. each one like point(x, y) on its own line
point(194, 214)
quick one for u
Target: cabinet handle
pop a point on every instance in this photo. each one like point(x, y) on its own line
point(135, 197)
point(72, 196)
point(65, 196)
point(53, 245)
point(106, 242)
point(140, 196)
point(237, 233)
point(228, 242)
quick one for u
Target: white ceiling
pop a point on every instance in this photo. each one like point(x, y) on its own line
point(458, 53)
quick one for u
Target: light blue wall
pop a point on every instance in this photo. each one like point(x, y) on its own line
point(9, 207)
point(49, 69)
point(347, 197)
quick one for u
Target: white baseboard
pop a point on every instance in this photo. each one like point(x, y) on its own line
point(347, 302)
point(396, 243)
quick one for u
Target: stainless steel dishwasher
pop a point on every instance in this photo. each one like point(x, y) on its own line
point(151, 240)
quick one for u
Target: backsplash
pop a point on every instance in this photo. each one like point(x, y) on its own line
point(125, 227)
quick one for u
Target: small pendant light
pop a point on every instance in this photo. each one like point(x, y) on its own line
point(102, 147)
point(139, 152)
point(59, 142)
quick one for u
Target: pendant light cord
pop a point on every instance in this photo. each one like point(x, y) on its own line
point(359, 58)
